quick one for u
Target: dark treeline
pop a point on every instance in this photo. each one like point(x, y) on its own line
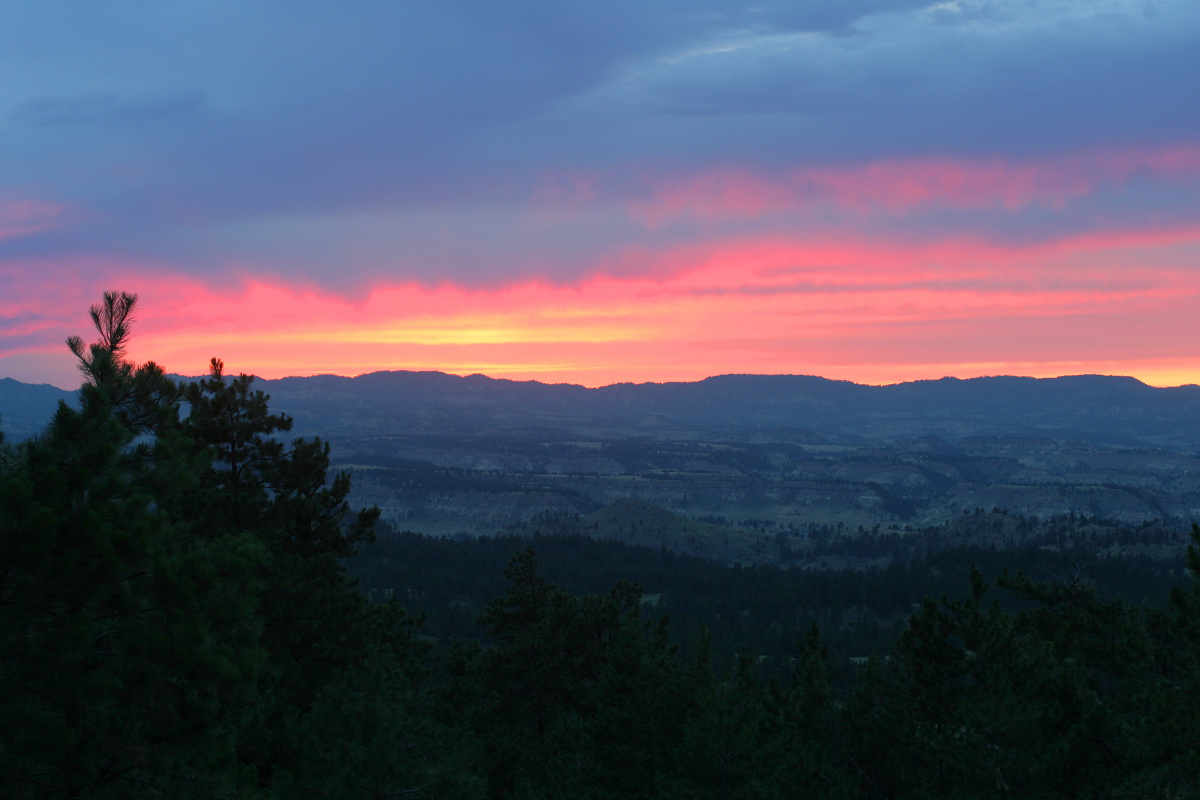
point(761, 610)
point(177, 621)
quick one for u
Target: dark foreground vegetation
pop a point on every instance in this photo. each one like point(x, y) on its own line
point(176, 620)
point(760, 610)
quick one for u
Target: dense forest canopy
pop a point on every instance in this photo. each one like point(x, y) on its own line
point(177, 620)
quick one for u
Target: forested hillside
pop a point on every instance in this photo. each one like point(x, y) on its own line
point(860, 590)
point(449, 455)
point(178, 621)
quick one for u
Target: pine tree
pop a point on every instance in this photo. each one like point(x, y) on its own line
point(811, 726)
point(728, 747)
point(127, 645)
point(234, 422)
point(1178, 699)
point(636, 714)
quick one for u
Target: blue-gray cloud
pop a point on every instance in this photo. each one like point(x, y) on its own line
point(378, 138)
point(105, 108)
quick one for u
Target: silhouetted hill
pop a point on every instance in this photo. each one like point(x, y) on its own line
point(26, 408)
point(1109, 410)
point(454, 455)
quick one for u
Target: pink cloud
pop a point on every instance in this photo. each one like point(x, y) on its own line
point(903, 186)
point(865, 310)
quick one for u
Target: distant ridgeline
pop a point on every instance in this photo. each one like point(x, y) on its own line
point(1109, 410)
point(26, 408)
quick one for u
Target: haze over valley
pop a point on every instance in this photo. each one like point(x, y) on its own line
point(761, 456)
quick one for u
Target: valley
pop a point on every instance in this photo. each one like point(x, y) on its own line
point(765, 462)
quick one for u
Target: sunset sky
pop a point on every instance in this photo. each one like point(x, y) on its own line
point(872, 190)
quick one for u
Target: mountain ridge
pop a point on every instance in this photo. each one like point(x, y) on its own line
point(1117, 410)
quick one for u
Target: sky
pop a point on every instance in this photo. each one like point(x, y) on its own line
point(868, 190)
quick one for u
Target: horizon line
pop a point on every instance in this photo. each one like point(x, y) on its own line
point(465, 375)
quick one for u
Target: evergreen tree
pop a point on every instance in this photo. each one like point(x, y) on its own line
point(235, 424)
point(142, 398)
point(537, 697)
point(728, 747)
point(322, 638)
point(811, 727)
point(127, 645)
point(635, 717)
point(1177, 699)
point(176, 619)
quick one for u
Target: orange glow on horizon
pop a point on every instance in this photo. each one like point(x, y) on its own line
point(870, 312)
